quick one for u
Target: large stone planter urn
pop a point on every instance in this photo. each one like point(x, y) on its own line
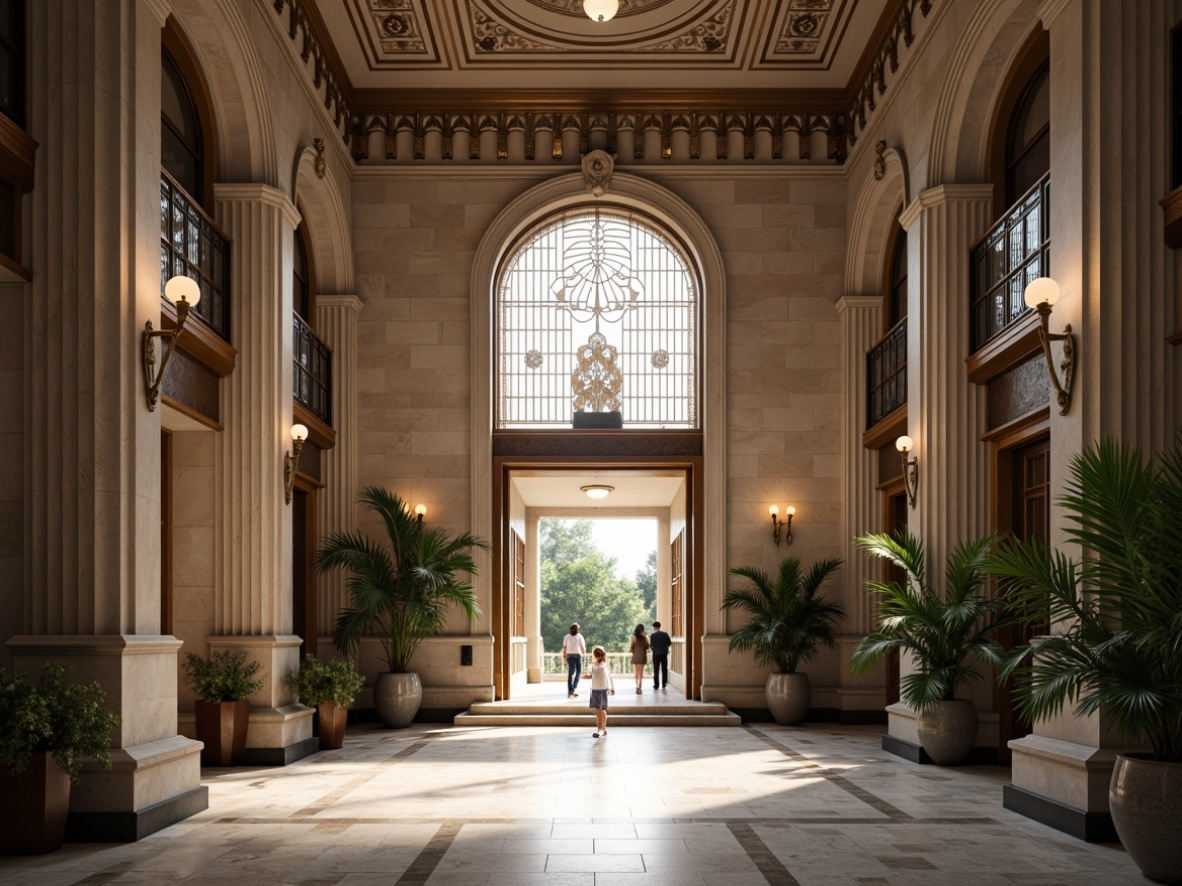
point(1145, 798)
point(34, 809)
point(948, 731)
point(222, 726)
point(397, 698)
point(788, 697)
point(332, 719)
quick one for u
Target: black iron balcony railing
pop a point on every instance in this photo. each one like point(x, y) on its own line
point(1015, 251)
point(886, 375)
point(192, 246)
point(312, 375)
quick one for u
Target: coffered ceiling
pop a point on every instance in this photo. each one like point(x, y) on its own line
point(480, 47)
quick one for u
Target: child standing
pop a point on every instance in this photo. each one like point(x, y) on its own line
point(601, 688)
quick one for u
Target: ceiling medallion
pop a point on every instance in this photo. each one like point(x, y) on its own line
point(575, 7)
point(601, 10)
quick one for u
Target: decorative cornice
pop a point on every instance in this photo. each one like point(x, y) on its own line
point(348, 302)
point(253, 192)
point(941, 194)
point(59, 645)
point(858, 303)
point(869, 81)
point(327, 70)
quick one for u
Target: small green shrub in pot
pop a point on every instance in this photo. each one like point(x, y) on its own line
point(225, 676)
point(317, 681)
point(46, 730)
point(223, 684)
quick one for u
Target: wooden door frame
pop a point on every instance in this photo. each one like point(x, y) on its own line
point(1003, 442)
point(693, 562)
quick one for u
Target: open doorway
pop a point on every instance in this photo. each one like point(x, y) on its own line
point(554, 537)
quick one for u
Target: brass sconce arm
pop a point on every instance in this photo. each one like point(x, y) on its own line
point(782, 528)
point(291, 460)
point(184, 293)
point(1041, 295)
point(910, 468)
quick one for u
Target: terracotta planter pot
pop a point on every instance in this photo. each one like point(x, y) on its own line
point(1145, 798)
point(222, 727)
point(788, 697)
point(36, 802)
point(948, 731)
point(332, 725)
point(397, 698)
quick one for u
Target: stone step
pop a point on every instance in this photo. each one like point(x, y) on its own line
point(579, 706)
point(588, 719)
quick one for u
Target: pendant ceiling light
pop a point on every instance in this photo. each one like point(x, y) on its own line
point(601, 10)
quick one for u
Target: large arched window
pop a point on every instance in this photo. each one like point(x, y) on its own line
point(1028, 142)
point(597, 325)
point(181, 142)
point(896, 288)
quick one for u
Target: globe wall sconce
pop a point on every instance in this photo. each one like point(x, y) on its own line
point(784, 526)
point(291, 460)
point(910, 467)
point(420, 513)
point(601, 10)
point(597, 492)
point(1040, 296)
point(184, 293)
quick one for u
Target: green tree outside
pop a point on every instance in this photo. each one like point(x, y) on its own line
point(579, 584)
point(646, 580)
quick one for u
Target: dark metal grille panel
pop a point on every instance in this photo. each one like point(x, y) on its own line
point(312, 373)
point(655, 331)
point(886, 375)
point(192, 246)
point(1014, 252)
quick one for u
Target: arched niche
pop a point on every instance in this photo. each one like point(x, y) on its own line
point(328, 225)
point(875, 214)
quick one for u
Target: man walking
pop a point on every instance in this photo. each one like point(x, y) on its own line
point(573, 650)
point(661, 643)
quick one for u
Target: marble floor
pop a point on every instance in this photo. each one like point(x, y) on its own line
point(516, 806)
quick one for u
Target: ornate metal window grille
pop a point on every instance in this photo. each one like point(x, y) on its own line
point(597, 311)
point(1015, 251)
point(192, 246)
point(312, 372)
point(886, 375)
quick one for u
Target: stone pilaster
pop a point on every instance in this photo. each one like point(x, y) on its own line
point(92, 448)
point(861, 504)
point(945, 411)
point(1115, 274)
point(252, 598)
point(336, 324)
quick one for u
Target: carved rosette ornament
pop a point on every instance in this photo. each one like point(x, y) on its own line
point(595, 383)
point(597, 170)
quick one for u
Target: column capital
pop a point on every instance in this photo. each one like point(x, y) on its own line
point(942, 194)
point(858, 303)
point(348, 302)
point(256, 192)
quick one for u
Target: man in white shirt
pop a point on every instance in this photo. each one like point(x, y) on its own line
point(573, 650)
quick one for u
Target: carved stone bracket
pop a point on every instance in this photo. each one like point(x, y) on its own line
point(321, 165)
point(879, 159)
point(597, 170)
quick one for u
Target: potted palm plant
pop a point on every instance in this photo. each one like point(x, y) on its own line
point(46, 729)
point(789, 621)
point(331, 687)
point(223, 684)
point(1115, 647)
point(941, 630)
point(400, 591)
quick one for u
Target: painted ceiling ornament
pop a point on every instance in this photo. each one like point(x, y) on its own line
point(597, 170)
point(597, 281)
point(595, 382)
point(660, 358)
point(533, 358)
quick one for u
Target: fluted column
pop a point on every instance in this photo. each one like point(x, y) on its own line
point(861, 504)
point(861, 328)
point(91, 592)
point(336, 323)
point(252, 594)
point(945, 411)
